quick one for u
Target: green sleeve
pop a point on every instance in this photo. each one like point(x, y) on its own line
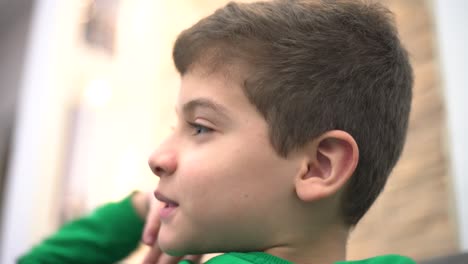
point(107, 235)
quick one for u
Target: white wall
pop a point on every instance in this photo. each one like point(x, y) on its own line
point(14, 32)
point(29, 200)
point(451, 17)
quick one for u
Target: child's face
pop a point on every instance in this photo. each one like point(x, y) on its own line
point(232, 190)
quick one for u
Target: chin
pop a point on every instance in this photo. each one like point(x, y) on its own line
point(181, 248)
point(171, 249)
point(174, 253)
point(174, 247)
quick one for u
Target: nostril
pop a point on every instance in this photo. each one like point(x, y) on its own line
point(158, 170)
point(163, 164)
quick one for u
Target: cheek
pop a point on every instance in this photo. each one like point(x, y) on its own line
point(228, 190)
point(229, 171)
point(206, 174)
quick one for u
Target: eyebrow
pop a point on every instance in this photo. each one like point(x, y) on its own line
point(192, 105)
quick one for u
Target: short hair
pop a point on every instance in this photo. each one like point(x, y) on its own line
point(311, 67)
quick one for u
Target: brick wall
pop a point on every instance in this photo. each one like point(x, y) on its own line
point(414, 215)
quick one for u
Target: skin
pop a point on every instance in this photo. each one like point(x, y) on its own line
point(141, 203)
point(234, 192)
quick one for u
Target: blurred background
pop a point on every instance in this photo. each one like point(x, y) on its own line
point(87, 89)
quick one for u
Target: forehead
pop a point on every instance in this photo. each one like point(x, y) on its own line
point(216, 87)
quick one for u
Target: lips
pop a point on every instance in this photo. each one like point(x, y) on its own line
point(164, 199)
point(169, 208)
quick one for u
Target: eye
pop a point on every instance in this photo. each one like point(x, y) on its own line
point(200, 129)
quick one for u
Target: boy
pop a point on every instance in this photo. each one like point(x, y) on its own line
point(291, 116)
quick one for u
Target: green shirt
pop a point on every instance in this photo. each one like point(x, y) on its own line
point(107, 235)
point(114, 230)
point(264, 258)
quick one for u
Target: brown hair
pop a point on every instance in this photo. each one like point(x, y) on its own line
point(313, 67)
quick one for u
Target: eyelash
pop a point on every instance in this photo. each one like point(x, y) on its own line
point(197, 127)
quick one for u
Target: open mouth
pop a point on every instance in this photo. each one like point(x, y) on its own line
point(169, 206)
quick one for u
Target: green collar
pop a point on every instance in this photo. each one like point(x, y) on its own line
point(247, 258)
point(264, 258)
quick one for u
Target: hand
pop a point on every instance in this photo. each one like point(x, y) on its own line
point(141, 202)
point(150, 234)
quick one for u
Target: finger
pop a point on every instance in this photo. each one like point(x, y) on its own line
point(151, 229)
point(167, 259)
point(153, 255)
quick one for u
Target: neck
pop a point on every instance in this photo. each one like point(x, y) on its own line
point(327, 247)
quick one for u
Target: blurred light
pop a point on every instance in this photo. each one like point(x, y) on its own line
point(98, 93)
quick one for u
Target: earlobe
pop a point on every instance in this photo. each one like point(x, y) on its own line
point(330, 160)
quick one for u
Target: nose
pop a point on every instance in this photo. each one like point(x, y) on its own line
point(163, 162)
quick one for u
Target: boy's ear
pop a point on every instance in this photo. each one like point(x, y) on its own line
point(330, 160)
